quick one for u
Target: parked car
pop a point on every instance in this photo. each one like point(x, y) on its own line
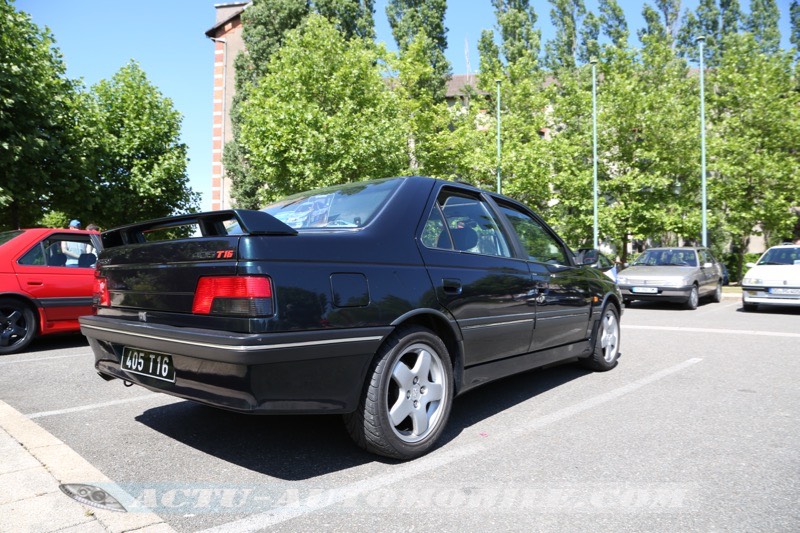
point(393, 298)
point(774, 279)
point(682, 275)
point(46, 279)
point(599, 261)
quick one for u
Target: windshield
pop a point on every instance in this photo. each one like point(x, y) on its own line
point(343, 206)
point(785, 255)
point(667, 257)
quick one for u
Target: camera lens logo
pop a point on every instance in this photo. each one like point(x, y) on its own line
point(94, 496)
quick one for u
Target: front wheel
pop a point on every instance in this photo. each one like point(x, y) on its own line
point(17, 326)
point(717, 296)
point(605, 354)
point(406, 401)
point(693, 299)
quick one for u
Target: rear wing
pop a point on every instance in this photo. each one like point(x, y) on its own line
point(209, 224)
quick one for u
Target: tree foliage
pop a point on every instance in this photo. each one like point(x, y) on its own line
point(39, 142)
point(648, 116)
point(138, 170)
point(322, 115)
point(412, 18)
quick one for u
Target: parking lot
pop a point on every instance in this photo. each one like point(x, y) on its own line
point(696, 429)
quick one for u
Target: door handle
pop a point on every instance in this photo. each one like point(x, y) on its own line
point(35, 282)
point(451, 285)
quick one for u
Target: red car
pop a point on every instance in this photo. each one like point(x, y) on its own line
point(46, 279)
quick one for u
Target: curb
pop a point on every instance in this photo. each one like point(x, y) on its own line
point(34, 464)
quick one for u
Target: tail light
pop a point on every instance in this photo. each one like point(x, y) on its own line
point(233, 296)
point(100, 294)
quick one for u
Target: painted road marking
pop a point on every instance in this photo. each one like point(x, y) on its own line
point(682, 329)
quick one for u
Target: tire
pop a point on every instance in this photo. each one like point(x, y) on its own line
point(17, 325)
point(716, 296)
point(605, 354)
point(407, 397)
point(693, 299)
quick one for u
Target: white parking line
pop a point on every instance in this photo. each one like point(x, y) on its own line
point(435, 460)
point(714, 330)
point(33, 360)
point(97, 406)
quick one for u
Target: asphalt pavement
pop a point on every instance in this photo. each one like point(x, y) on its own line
point(36, 465)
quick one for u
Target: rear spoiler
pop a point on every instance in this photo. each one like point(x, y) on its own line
point(210, 223)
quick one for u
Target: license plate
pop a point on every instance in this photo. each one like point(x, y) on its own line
point(781, 290)
point(147, 363)
point(645, 290)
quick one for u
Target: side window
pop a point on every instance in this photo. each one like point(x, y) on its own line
point(539, 244)
point(34, 257)
point(468, 226)
point(60, 251)
point(434, 235)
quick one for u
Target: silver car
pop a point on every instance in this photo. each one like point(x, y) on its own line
point(682, 275)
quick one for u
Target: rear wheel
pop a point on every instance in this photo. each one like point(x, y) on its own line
point(17, 325)
point(406, 401)
point(606, 342)
point(693, 299)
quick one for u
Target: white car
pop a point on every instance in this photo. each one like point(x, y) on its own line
point(774, 280)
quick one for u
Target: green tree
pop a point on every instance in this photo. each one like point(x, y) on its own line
point(139, 166)
point(354, 18)
point(410, 18)
point(755, 112)
point(590, 38)
point(265, 26)
point(566, 16)
point(794, 16)
point(763, 24)
point(322, 115)
point(613, 24)
point(427, 120)
point(39, 142)
point(516, 21)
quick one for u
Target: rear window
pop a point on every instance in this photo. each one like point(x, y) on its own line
point(351, 205)
point(6, 236)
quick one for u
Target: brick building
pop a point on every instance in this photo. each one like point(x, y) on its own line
point(226, 34)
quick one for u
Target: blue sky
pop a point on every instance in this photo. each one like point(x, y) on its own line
point(167, 37)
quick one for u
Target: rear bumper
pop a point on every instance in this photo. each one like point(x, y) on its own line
point(273, 373)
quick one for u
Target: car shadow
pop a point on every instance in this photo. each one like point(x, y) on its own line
point(300, 447)
point(56, 342)
point(643, 304)
point(772, 310)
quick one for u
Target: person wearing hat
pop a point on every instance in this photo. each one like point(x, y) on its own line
point(73, 249)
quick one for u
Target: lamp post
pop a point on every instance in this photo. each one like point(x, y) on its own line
point(593, 61)
point(499, 189)
point(700, 40)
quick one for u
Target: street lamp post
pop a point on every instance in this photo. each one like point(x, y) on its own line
point(700, 40)
point(593, 61)
point(499, 189)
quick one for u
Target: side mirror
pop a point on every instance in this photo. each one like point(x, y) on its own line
point(708, 265)
point(749, 265)
point(589, 257)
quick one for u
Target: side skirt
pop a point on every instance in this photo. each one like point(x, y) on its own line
point(477, 375)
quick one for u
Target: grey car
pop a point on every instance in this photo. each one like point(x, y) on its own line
point(681, 275)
